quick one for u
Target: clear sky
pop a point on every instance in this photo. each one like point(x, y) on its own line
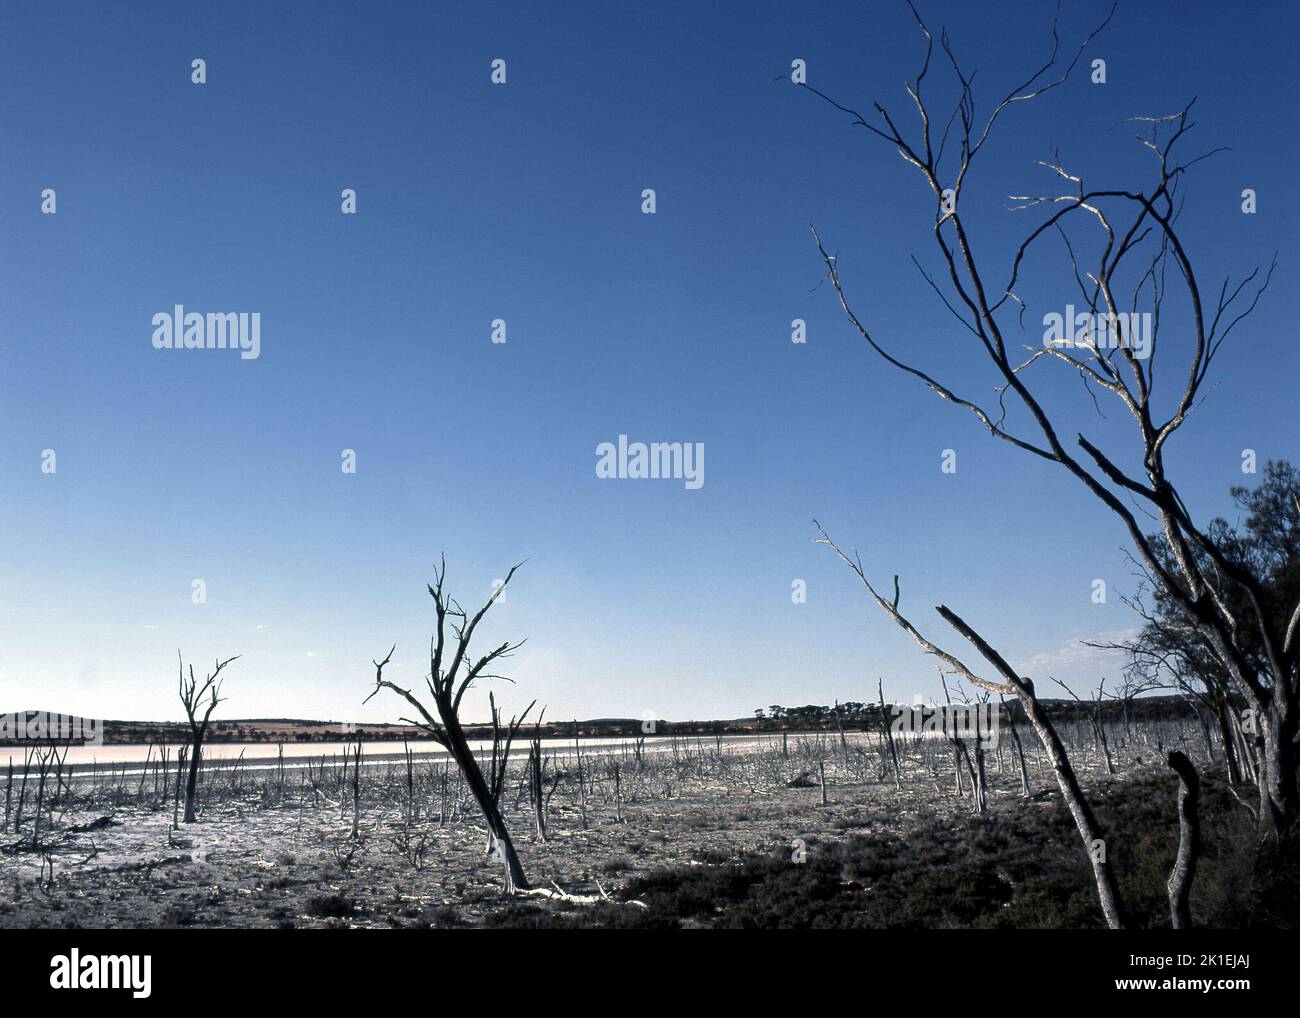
point(523, 202)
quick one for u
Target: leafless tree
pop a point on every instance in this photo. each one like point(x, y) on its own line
point(1023, 688)
point(1019, 748)
point(193, 694)
point(176, 797)
point(47, 760)
point(1141, 258)
point(538, 796)
point(1211, 690)
point(452, 672)
point(1096, 711)
point(503, 738)
point(973, 755)
point(356, 785)
point(887, 735)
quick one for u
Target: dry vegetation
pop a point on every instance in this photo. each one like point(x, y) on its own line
point(679, 831)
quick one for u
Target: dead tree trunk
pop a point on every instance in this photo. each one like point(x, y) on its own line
point(192, 780)
point(1276, 733)
point(176, 799)
point(192, 695)
point(488, 805)
point(887, 733)
point(356, 788)
point(1094, 710)
point(1084, 820)
point(1189, 830)
point(1071, 791)
point(452, 671)
point(1020, 751)
point(981, 777)
point(1227, 725)
point(582, 777)
point(43, 760)
point(844, 742)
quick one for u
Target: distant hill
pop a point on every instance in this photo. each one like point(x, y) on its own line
point(273, 730)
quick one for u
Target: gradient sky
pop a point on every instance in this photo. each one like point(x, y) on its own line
point(522, 202)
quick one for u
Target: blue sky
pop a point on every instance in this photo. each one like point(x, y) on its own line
point(522, 202)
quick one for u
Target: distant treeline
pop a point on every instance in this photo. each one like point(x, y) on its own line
point(288, 730)
point(852, 715)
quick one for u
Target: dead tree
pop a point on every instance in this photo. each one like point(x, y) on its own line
point(1096, 711)
point(844, 742)
point(1023, 688)
point(501, 743)
point(452, 672)
point(537, 779)
point(28, 756)
point(887, 735)
point(582, 778)
point(973, 755)
point(46, 760)
point(193, 694)
point(1020, 749)
point(1154, 666)
point(1141, 256)
point(176, 799)
point(412, 808)
point(1189, 831)
point(356, 786)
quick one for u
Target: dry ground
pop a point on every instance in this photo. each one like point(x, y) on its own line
point(289, 865)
